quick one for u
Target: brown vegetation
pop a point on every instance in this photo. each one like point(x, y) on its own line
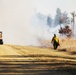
point(43, 60)
point(66, 31)
point(69, 44)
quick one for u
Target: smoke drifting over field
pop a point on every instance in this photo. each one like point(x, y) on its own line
point(15, 23)
point(21, 25)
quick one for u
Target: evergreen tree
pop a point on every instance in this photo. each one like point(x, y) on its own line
point(61, 18)
point(57, 17)
point(49, 21)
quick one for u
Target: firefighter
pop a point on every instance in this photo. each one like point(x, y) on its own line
point(55, 41)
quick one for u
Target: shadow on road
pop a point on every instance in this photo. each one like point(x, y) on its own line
point(20, 66)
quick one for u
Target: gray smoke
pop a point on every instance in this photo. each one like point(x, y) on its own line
point(15, 22)
point(22, 26)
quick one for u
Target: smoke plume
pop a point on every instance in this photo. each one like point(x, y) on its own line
point(22, 26)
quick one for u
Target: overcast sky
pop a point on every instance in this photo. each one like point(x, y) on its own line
point(15, 16)
point(50, 6)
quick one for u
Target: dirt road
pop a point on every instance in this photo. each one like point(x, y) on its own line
point(22, 61)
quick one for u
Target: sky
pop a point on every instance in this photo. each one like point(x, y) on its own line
point(50, 6)
point(15, 17)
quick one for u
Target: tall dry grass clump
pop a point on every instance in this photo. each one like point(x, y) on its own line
point(68, 45)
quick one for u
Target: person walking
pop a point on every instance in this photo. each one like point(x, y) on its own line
point(55, 41)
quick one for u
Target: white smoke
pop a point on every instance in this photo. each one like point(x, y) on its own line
point(18, 25)
point(15, 22)
point(41, 29)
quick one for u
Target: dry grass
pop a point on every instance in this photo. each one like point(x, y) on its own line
point(43, 53)
point(66, 45)
point(69, 45)
point(66, 50)
point(42, 58)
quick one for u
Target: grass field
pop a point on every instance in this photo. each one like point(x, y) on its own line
point(39, 60)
